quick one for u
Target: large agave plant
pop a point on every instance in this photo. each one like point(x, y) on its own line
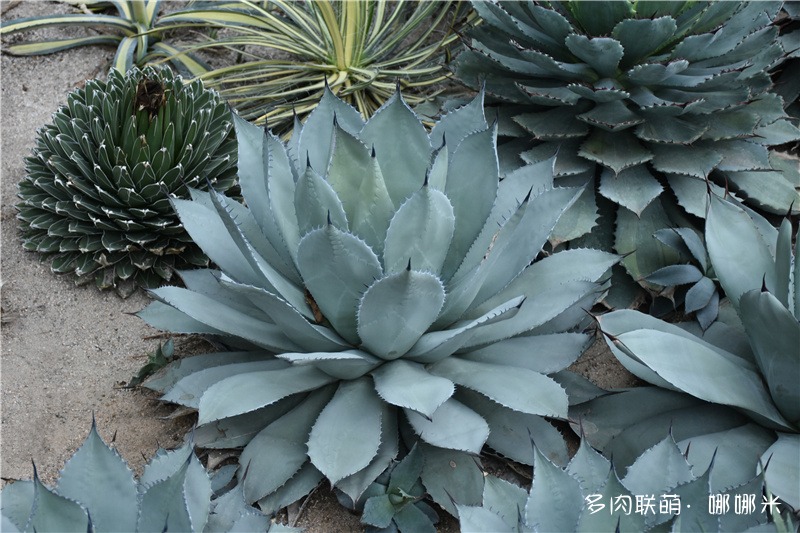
point(96, 491)
point(731, 391)
point(96, 198)
point(643, 101)
point(384, 287)
point(292, 50)
point(660, 491)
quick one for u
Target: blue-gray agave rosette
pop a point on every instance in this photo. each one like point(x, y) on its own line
point(383, 284)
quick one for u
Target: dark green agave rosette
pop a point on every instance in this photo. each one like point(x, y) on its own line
point(96, 197)
point(647, 104)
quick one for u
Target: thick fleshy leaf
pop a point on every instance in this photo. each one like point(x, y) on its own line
point(609, 498)
point(301, 484)
point(316, 137)
point(775, 337)
point(672, 275)
point(634, 239)
point(545, 354)
point(95, 476)
point(229, 320)
point(316, 203)
point(678, 159)
point(640, 38)
point(633, 188)
point(551, 504)
point(517, 388)
point(453, 426)
point(407, 384)
point(347, 434)
point(588, 467)
point(403, 164)
point(420, 231)
point(476, 519)
point(783, 471)
point(396, 310)
point(163, 506)
point(452, 477)
point(702, 372)
point(727, 227)
point(510, 432)
point(51, 512)
point(457, 124)
point(616, 151)
point(472, 181)
point(279, 450)
point(348, 364)
point(281, 189)
point(247, 392)
point(336, 268)
point(665, 458)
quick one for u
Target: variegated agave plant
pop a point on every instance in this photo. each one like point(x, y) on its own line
point(729, 392)
point(641, 101)
point(661, 491)
point(383, 288)
point(96, 198)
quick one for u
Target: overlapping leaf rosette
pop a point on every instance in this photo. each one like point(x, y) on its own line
point(645, 102)
point(384, 288)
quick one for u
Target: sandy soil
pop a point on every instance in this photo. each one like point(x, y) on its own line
point(66, 350)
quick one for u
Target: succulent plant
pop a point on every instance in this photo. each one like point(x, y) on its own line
point(394, 501)
point(96, 491)
point(290, 51)
point(661, 491)
point(133, 29)
point(731, 390)
point(380, 284)
point(701, 297)
point(639, 98)
point(96, 197)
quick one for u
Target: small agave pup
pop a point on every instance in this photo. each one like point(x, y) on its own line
point(644, 101)
point(96, 198)
point(383, 287)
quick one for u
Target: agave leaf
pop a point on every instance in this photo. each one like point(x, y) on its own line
point(355, 485)
point(702, 372)
point(349, 364)
point(301, 484)
point(459, 123)
point(579, 219)
point(238, 431)
point(612, 495)
point(453, 426)
point(208, 230)
point(692, 160)
point(551, 504)
point(163, 506)
point(378, 511)
point(665, 458)
point(404, 164)
point(323, 256)
point(281, 192)
point(633, 188)
point(640, 38)
point(768, 190)
point(51, 512)
point(98, 478)
point(316, 202)
point(700, 295)
point(511, 431)
point(782, 474)
point(396, 310)
point(588, 467)
point(617, 151)
point(452, 478)
point(414, 518)
point(775, 337)
point(17, 505)
point(743, 521)
point(229, 320)
point(517, 388)
point(347, 434)
point(545, 354)
point(602, 53)
point(406, 384)
point(634, 237)
point(471, 187)
point(734, 452)
point(727, 226)
point(315, 142)
point(473, 518)
point(696, 517)
point(284, 439)
point(191, 388)
point(783, 264)
point(180, 368)
point(521, 238)
point(294, 325)
point(247, 392)
point(361, 185)
point(420, 231)
point(672, 275)
point(230, 512)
